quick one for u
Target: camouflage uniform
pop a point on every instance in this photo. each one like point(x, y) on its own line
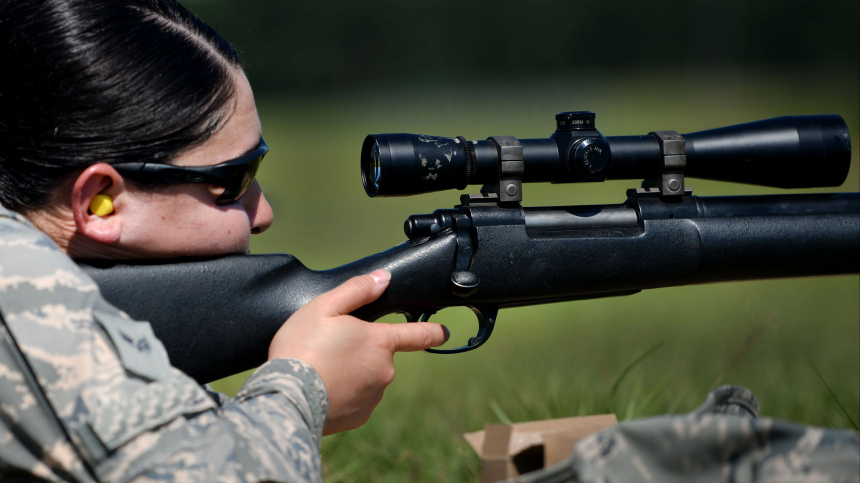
point(86, 394)
point(723, 440)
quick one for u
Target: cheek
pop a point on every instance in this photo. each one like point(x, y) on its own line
point(214, 231)
point(190, 227)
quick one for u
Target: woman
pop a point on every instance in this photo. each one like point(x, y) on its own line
point(91, 91)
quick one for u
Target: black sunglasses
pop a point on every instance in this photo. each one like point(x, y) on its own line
point(235, 175)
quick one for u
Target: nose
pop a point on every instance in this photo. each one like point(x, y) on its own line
point(259, 210)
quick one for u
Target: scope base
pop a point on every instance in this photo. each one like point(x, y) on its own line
point(657, 192)
point(479, 199)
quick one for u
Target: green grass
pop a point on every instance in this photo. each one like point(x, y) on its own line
point(795, 343)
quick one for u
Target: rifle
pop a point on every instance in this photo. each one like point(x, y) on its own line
point(216, 316)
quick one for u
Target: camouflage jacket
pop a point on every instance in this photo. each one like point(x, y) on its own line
point(86, 394)
point(723, 440)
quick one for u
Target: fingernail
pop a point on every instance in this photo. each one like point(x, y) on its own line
point(447, 333)
point(381, 276)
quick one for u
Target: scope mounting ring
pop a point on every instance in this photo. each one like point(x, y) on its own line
point(509, 186)
point(673, 149)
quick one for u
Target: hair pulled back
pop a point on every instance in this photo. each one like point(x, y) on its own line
point(89, 81)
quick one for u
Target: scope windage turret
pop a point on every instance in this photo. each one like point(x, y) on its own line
point(785, 152)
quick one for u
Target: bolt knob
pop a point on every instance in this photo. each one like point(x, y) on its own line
point(465, 283)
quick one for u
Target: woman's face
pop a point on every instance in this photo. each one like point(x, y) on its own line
point(184, 220)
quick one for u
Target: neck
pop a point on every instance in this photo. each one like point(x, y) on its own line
point(59, 224)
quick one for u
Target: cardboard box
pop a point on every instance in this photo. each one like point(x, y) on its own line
point(509, 450)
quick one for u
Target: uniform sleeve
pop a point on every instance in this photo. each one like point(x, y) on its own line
point(270, 431)
point(89, 394)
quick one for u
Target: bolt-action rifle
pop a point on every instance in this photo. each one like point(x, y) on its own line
point(217, 316)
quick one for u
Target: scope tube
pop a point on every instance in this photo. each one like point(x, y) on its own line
point(785, 152)
point(634, 157)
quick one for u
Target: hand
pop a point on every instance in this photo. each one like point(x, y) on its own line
point(354, 358)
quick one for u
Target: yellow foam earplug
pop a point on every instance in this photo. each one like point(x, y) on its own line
point(101, 205)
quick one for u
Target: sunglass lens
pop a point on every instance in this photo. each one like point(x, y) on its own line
point(241, 182)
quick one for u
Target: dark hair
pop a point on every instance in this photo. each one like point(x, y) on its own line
point(89, 81)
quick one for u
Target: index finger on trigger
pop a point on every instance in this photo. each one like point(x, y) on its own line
point(416, 337)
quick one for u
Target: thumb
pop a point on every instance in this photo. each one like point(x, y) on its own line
point(416, 337)
point(354, 293)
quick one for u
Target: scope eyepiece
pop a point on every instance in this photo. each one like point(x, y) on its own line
point(371, 166)
point(376, 167)
point(407, 164)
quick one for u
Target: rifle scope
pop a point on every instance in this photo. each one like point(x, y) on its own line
point(784, 152)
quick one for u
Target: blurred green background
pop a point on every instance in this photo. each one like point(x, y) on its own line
point(327, 74)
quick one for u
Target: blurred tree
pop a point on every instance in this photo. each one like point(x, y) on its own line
point(339, 43)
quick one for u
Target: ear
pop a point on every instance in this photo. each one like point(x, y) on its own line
point(97, 179)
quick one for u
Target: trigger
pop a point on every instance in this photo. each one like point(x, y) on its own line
point(417, 315)
point(426, 315)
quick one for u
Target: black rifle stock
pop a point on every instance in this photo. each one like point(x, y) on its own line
point(217, 316)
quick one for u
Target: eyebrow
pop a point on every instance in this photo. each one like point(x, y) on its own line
point(259, 141)
point(254, 147)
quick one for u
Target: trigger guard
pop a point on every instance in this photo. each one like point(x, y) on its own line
point(486, 322)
